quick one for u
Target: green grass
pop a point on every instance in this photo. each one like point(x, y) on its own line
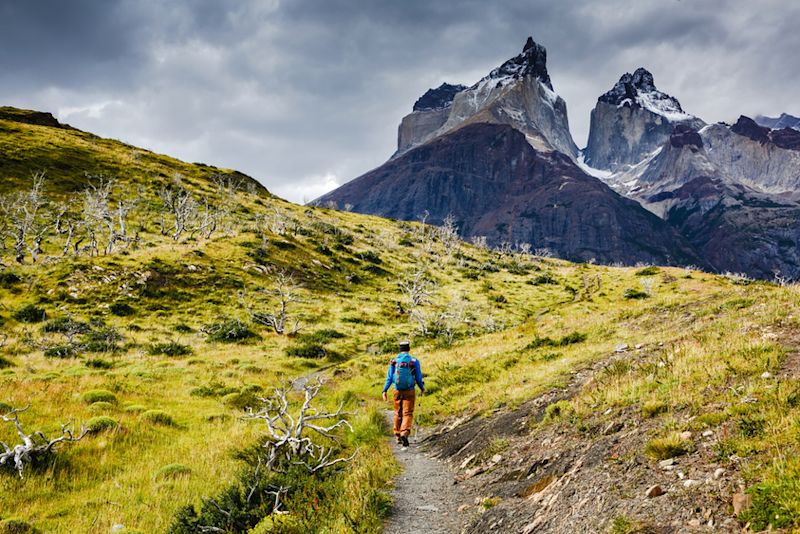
point(707, 342)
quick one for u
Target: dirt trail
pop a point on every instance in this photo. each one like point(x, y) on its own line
point(426, 498)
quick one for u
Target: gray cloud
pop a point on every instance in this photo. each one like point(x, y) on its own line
point(306, 94)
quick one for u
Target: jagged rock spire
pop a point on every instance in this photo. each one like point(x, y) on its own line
point(531, 62)
point(629, 86)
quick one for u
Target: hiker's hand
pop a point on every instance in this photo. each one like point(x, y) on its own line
point(384, 396)
point(421, 392)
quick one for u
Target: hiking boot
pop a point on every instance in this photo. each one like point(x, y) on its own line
point(404, 441)
point(399, 439)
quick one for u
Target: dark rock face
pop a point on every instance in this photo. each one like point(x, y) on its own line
point(784, 138)
point(497, 185)
point(685, 135)
point(531, 62)
point(747, 127)
point(737, 230)
point(787, 138)
point(438, 98)
point(37, 118)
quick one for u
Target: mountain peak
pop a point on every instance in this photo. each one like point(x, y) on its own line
point(531, 62)
point(639, 90)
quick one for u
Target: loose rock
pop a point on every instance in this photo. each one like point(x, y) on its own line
point(654, 491)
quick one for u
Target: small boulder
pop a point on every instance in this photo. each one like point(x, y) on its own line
point(654, 491)
point(622, 347)
point(685, 435)
point(663, 464)
point(718, 473)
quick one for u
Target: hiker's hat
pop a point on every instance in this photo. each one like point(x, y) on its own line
point(405, 345)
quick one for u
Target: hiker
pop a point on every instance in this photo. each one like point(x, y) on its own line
point(404, 373)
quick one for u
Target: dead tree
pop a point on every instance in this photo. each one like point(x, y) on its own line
point(25, 223)
point(479, 241)
point(285, 290)
point(179, 205)
point(297, 439)
point(416, 288)
point(226, 188)
point(448, 234)
point(33, 446)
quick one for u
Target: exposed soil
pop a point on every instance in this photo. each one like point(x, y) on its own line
point(558, 478)
point(426, 497)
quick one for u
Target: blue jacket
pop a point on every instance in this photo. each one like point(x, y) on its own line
point(417, 374)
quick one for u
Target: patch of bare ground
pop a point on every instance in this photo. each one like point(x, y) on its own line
point(527, 478)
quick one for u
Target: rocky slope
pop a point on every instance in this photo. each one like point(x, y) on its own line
point(519, 93)
point(497, 185)
point(632, 120)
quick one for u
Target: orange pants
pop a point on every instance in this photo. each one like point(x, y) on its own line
point(404, 411)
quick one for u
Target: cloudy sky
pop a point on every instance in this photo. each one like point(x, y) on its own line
point(307, 94)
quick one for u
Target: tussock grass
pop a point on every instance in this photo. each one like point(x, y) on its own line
point(707, 340)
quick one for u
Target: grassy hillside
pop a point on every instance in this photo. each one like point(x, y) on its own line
point(162, 336)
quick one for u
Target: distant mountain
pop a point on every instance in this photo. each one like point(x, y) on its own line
point(632, 120)
point(778, 123)
point(518, 93)
point(725, 196)
point(499, 186)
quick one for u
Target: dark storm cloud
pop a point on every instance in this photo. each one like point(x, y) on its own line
point(306, 94)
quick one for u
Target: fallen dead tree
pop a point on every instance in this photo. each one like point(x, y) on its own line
point(34, 446)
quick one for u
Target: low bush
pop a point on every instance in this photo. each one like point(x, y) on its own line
point(308, 350)
point(105, 339)
point(668, 447)
point(9, 279)
point(544, 278)
point(135, 408)
point(103, 423)
point(171, 348)
point(241, 400)
point(569, 339)
point(98, 363)
point(635, 294)
point(30, 314)
point(5, 362)
point(371, 257)
point(320, 336)
point(17, 526)
point(158, 417)
point(122, 309)
point(652, 270)
point(67, 350)
point(65, 325)
point(229, 331)
point(98, 395)
point(183, 329)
